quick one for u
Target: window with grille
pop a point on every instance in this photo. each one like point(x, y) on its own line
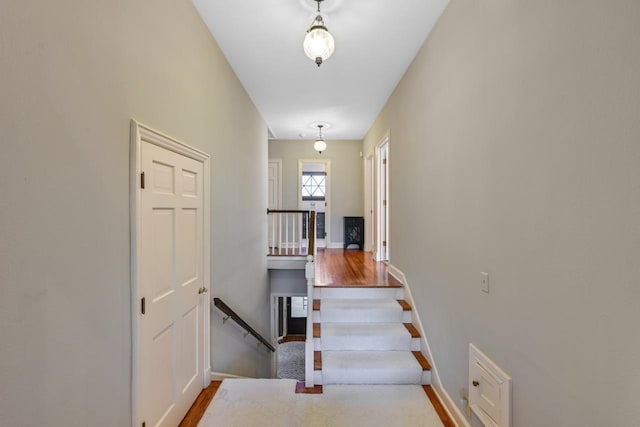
point(313, 185)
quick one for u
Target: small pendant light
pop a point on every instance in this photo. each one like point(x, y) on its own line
point(320, 145)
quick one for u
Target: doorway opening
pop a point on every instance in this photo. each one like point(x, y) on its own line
point(314, 195)
point(369, 196)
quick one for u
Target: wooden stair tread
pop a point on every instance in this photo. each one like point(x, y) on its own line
point(424, 363)
point(316, 304)
point(404, 304)
point(300, 388)
point(316, 330)
point(317, 360)
point(412, 330)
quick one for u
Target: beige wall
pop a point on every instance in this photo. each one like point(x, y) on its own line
point(346, 176)
point(515, 149)
point(73, 75)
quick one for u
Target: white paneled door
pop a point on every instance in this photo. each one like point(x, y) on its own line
point(274, 202)
point(382, 252)
point(170, 285)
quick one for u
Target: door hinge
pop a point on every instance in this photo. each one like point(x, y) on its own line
point(384, 161)
point(142, 180)
point(144, 424)
point(143, 304)
point(384, 243)
point(384, 203)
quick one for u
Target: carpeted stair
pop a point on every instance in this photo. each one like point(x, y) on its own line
point(365, 336)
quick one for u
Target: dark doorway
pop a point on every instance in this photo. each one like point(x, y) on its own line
point(296, 315)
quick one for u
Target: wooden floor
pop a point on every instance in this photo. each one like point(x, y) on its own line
point(200, 405)
point(352, 268)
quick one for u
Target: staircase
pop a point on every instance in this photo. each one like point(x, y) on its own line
point(365, 335)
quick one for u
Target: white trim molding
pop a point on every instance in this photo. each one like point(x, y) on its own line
point(220, 376)
point(448, 403)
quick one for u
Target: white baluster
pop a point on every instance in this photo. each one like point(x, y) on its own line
point(280, 233)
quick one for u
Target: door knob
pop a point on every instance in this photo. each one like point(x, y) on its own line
point(475, 383)
point(202, 290)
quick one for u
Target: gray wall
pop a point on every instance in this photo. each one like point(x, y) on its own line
point(73, 75)
point(515, 149)
point(346, 178)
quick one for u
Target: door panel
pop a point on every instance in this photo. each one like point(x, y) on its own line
point(274, 201)
point(382, 203)
point(171, 274)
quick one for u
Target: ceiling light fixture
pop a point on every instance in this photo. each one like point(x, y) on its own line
point(320, 145)
point(318, 43)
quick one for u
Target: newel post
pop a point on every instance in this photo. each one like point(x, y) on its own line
point(309, 273)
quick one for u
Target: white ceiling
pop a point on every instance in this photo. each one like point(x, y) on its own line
point(376, 40)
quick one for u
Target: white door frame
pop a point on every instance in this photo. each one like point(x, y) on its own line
point(369, 187)
point(327, 195)
point(139, 134)
point(379, 206)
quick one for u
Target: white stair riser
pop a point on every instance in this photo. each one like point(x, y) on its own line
point(347, 293)
point(415, 344)
point(406, 317)
point(373, 367)
point(365, 336)
point(357, 315)
point(426, 378)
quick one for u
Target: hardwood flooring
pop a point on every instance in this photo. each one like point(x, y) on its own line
point(351, 268)
point(290, 338)
point(200, 405)
point(437, 405)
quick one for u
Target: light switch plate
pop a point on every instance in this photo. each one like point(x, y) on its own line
point(484, 283)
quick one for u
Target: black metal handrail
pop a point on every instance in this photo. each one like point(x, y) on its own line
point(232, 314)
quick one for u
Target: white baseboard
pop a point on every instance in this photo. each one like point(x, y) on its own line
point(207, 376)
point(393, 270)
point(219, 376)
point(335, 245)
point(452, 409)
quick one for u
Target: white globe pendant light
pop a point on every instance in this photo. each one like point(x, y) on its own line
point(318, 43)
point(320, 145)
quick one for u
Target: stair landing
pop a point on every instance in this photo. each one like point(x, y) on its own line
point(351, 268)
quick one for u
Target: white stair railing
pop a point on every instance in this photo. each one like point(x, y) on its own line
point(289, 232)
